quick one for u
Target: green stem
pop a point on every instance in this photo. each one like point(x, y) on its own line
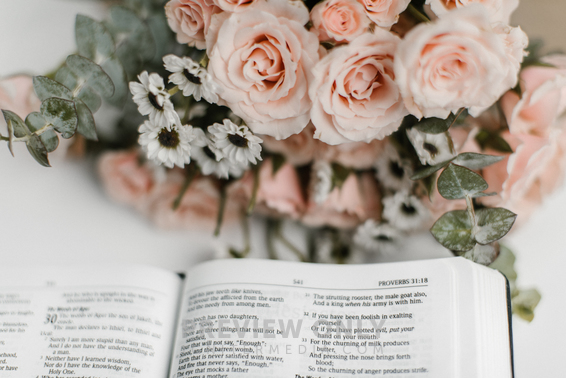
point(247, 238)
point(173, 90)
point(288, 244)
point(471, 212)
point(417, 14)
point(270, 236)
point(192, 172)
point(221, 207)
point(187, 111)
point(253, 199)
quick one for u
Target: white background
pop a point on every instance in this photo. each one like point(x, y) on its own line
point(61, 216)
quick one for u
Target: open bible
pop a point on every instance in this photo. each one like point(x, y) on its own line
point(256, 318)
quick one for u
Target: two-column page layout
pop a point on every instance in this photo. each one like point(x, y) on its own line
point(256, 318)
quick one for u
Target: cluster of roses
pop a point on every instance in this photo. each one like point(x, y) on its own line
point(325, 88)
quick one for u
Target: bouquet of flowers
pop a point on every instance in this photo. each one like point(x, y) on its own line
point(363, 120)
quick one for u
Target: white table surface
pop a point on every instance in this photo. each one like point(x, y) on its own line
point(61, 216)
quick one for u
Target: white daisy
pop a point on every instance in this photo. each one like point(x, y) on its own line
point(335, 248)
point(210, 159)
point(432, 149)
point(191, 78)
point(376, 237)
point(169, 146)
point(237, 143)
point(404, 211)
point(393, 172)
point(321, 180)
point(153, 100)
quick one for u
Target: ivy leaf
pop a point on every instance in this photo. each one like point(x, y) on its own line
point(61, 114)
point(493, 224)
point(277, 162)
point(427, 171)
point(92, 38)
point(35, 121)
point(475, 161)
point(45, 88)
point(454, 231)
point(457, 182)
point(37, 150)
point(92, 73)
point(86, 126)
point(435, 125)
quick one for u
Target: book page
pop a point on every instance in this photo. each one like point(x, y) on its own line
point(245, 318)
point(87, 322)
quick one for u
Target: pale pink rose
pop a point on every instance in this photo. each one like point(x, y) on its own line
point(498, 10)
point(277, 195)
point(355, 97)
point(124, 179)
point(355, 202)
point(263, 60)
point(17, 95)
point(298, 149)
point(339, 20)
point(234, 5)
point(543, 98)
point(190, 20)
point(532, 172)
point(457, 61)
point(356, 155)
point(384, 13)
point(198, 208)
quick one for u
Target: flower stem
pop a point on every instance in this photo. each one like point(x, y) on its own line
point(255, 188)
point(471, 212)
point(417, 14)
point(270, 236)
point(173, 90)
point(279, 235)
point(221, 208)
point(192, 172)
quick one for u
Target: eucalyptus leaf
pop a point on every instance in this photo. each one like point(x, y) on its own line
point(10, 137)
point(93, 40)
point(427, 171)
point(475, 161)
point(277, 161)
point(66, 77)
point(90, 98)
point(494, 141)
point(505, 263)
point(116, 73)
point(19, 128)
point(61, 114)
point(162, 35)
point(339, 175)
point(86, 126)
point(483, 254)
point(454, 231)
point(479, 195)
point(45, 88)
point(435, 125)
point(37, 150)
point(457, 182)
point(92, 73)
point(493, 224)
point(525, 302)
point(139, 40)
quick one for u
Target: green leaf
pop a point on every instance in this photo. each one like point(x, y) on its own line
point(457, 182)
point(475, 161)
point(435, 125)
point(339, 175)
point(66, 77)
point(494, 141)
point(140, 40)
point(277, 161)
point(90, 98)
point(50, 140)
point(45, 88)
point(37, 150)
point(454, 231)
point(93, 40)
point(505, 263)
point(61, 114)
point(116, 73)
point(19, 128)
point(482, 254)
point(429, 170)
point(479, 195)
point(92, 73)
point(525, 302)
point(86, 126)
point(430, 184)
point(493, 224)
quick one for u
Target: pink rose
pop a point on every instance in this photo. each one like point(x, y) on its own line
point(298, 149)
point(17, 95)
point(339, 20)
point(198, 208)
point(124, 178)
point(543, 99)
point(355, 202)
point(355, 97)
point(190, 19)
point(533, 171)
point(498, 10)
point(277, 195)
point(356, 155)
point(234, 5)
point(457, 61)
point(384, 13)
point(263, 58)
